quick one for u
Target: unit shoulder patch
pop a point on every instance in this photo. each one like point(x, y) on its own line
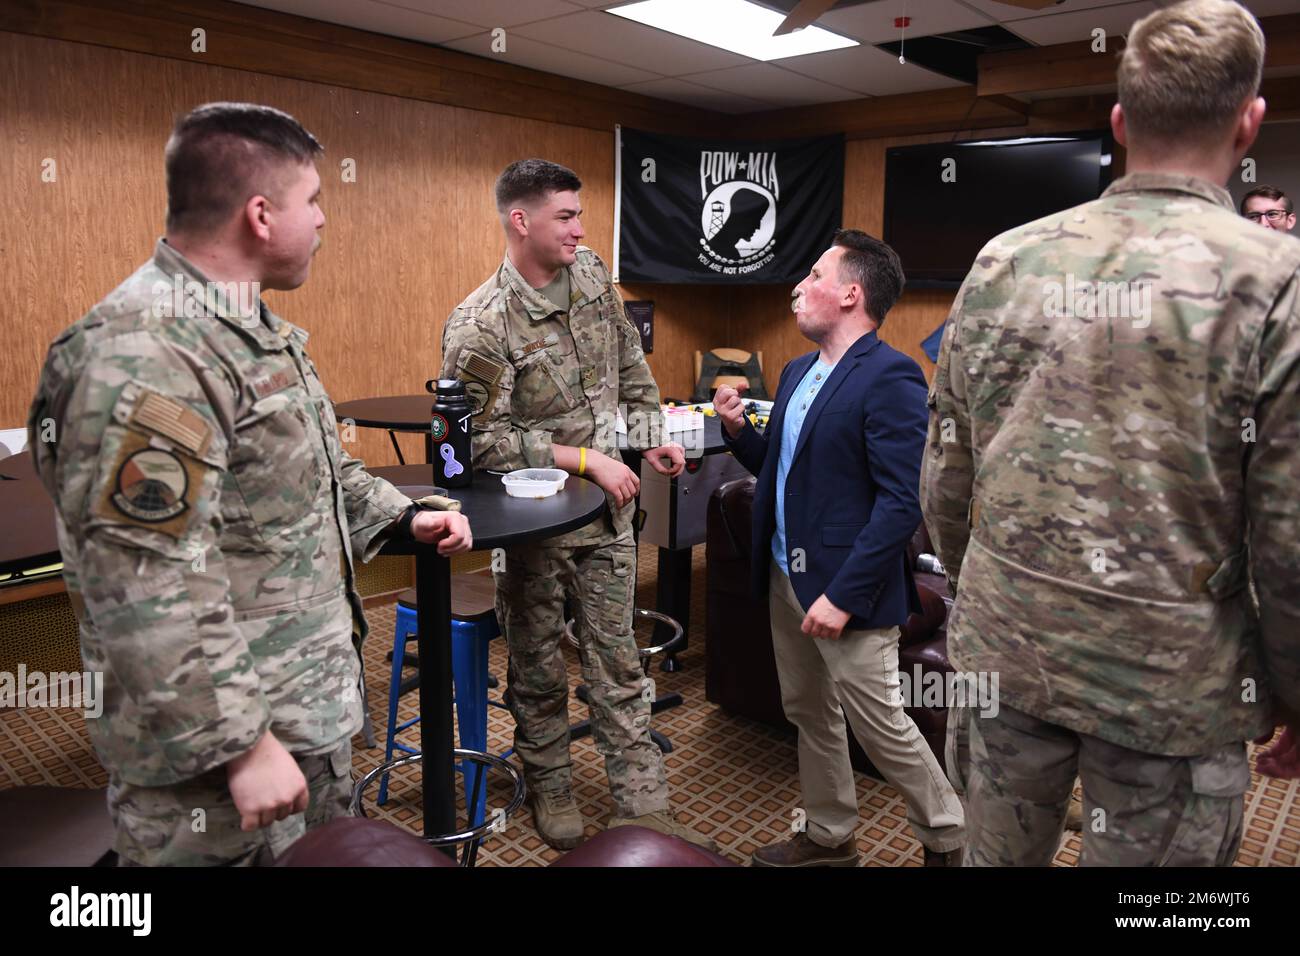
point(152, 487)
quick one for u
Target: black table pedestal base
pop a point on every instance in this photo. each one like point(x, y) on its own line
point(673, 597)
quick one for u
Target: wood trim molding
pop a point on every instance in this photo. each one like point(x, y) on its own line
point(1075, 67)
point(265, 41)
point(905, 114)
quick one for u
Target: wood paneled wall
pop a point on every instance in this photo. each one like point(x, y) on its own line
point(402, 245)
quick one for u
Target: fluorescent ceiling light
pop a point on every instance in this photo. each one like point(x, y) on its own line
point(1021, 141)
point(736, 25)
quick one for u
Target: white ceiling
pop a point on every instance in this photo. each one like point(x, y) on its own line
point(573, 38)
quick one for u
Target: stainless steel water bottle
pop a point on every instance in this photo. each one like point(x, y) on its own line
point(449, 429)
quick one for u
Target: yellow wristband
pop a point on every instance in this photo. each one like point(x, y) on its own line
point(582, 461)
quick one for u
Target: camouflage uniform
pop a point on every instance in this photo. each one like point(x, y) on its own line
point(1104, 487)
point(539, 376)
point(207, 517)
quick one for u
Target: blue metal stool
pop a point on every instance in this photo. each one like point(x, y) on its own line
point(473, 625)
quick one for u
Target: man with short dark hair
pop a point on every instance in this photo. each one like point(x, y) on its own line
point(208, 515)
point(834, 507)
point(548, 355)
point(1107, 477)
point(1269, 207)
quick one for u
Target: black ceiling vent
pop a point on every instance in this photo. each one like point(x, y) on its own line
point(955, 54)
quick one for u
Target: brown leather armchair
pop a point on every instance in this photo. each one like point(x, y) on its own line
point(740, 667)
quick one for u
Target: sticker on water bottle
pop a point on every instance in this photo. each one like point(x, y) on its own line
point(450, 466)
point(438, 427)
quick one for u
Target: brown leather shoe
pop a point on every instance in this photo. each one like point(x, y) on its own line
point(935, 858)
point(799, 850)
point(559, 822)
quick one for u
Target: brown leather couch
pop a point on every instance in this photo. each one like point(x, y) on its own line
point(740, 668)
point(356, 841)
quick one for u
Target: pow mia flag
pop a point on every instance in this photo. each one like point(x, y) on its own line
point(721, 211)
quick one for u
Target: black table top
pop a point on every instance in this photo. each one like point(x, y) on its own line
point(29, 539)
point(497, 520)
point(398, 413)
point(411, 413)
point(19, 466)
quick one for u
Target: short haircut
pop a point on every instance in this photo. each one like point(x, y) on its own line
point(1187, 69)
point(529, 180)
point(872, 265)
point(220, 154)
point(1268, 192)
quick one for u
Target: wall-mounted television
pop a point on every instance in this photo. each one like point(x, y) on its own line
point(944, 201)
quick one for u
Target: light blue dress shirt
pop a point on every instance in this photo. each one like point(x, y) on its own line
point(801, 399)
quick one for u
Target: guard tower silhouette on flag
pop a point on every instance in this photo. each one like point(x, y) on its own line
point(715, 222)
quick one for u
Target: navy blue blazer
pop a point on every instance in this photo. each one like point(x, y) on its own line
point(851, 494)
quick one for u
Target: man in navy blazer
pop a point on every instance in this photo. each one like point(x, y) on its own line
point(838, 470)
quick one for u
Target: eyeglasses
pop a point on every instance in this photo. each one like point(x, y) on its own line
point(1273, 215)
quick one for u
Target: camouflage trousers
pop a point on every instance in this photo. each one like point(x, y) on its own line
point(1139, 809)
point(600, 581)
point(161, 826)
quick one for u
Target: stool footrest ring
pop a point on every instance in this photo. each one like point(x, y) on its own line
point(490, 761)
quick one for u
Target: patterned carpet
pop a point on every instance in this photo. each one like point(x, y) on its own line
point(731, 778)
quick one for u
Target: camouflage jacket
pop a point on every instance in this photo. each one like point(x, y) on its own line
point(207, 517)
point(1110, 465)
point(540, 376)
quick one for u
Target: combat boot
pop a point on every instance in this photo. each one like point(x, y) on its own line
point(1074, 814)
point(557, 817)
point(663, 821)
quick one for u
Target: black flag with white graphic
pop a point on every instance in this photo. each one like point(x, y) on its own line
point(746, 212)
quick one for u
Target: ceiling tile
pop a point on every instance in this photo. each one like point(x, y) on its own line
point(681, 91)
point(1271, 8)
point(1007, 11)
point(1070, 27)
point(874, 22)
point(614, 38)
point(375, 17)
point(773, 84)
point(489, 13)
point(867, 70)
point(522, 51)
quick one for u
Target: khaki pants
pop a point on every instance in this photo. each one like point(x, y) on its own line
point(825, 681)
point(1138, 809)
point(195, 823)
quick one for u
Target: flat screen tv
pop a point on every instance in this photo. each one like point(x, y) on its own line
point(944, 201)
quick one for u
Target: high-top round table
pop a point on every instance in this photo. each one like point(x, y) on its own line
point(29, 539)
point(496, 521)
point(411, 413)
point(393, 413)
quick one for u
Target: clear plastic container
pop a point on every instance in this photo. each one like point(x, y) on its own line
point(534, 482)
